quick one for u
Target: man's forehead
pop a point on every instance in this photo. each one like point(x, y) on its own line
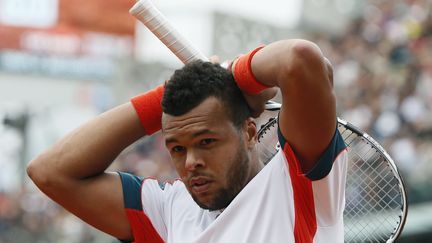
point(209, 113)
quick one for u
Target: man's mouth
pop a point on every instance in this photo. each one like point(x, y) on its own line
point(199, 185)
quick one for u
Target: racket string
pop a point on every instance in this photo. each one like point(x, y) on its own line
point(372, 195)
point(371, 182)
point(373, 201)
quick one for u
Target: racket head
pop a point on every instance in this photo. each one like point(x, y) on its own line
point(376, 202)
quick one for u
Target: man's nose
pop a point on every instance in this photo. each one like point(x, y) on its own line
point(193, 160)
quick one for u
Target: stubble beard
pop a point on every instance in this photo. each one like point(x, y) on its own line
point(237, 177)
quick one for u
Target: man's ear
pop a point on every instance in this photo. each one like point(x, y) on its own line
point(250, 130)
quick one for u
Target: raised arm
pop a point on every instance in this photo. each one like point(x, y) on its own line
point(308, 115)
point(72, 171)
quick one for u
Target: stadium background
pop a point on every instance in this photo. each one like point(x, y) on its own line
point(65, 61)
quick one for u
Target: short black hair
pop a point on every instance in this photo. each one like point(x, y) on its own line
point(199, 80)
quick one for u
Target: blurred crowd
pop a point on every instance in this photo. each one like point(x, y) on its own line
point(383, 83)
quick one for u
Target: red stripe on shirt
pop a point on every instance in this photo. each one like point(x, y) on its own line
point(142, 229)
point(304, 207)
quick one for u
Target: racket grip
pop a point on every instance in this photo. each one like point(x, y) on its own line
point(155, 21)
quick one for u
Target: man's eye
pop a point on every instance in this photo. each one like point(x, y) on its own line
point(207, 141)
point(178, 149)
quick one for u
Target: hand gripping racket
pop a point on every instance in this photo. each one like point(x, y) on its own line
point(376, 203)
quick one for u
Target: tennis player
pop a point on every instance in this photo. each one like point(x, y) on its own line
point(225, 194)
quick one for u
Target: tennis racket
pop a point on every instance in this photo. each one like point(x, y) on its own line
point(158, 24)
point(376, 203)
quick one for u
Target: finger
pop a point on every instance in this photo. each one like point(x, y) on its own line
point(214, 59)
point(270, 93)
point(256, 114)
point(226, 64)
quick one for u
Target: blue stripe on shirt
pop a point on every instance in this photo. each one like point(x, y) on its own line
point(324, 164)
point(131, 185)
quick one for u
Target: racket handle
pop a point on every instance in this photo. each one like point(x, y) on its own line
point(155, 21)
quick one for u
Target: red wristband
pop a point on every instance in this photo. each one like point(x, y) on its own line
point(244, 77)
point(149, 109)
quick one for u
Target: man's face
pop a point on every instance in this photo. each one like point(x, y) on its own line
point(211, 156)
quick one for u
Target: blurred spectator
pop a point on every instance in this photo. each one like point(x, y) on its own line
point(383, 81)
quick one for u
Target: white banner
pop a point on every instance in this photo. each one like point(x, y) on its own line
point(29, 13)
point(280, 13)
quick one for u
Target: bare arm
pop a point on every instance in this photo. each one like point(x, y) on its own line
point(72, 171)
point(304, 76)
